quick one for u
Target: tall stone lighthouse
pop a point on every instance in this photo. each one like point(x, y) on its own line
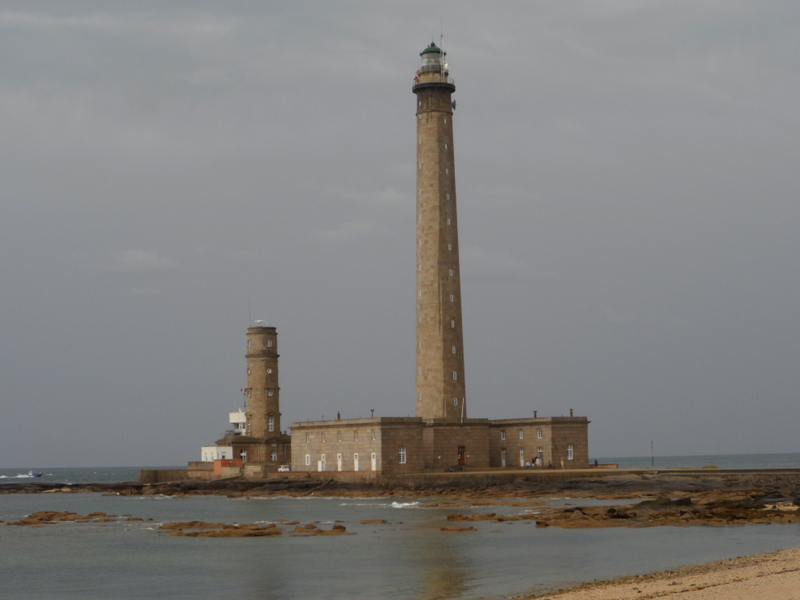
point(440, 346)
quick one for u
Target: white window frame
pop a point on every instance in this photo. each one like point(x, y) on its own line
point(308, 460)
point(402, 455)
point(539, 434)
point(502, 434)
point(570, 452)
point(270, 423)
point(522, 434)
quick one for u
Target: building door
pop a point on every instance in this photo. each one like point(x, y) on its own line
point(355, 461)
point(338, 462)
point(374, 459)
point(503, 457)
point(321, 462)
point(522, 457)
point(462, 455)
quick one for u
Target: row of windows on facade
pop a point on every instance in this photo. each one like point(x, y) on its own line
point(446, 171)
point(420, 141)
point(419, 371)
point(455, 400)
point(452, 326)
point(372, 434)
point(270, 423)
point(268, 371)
point(402, 457)
point(269, 391)
point(250, 343)
point(450, 271)
point(539, 434)
point(539, 451)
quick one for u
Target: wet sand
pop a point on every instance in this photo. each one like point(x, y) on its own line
point(770, 576)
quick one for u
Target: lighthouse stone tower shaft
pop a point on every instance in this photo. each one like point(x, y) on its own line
point(262, 392)
point(440, 385)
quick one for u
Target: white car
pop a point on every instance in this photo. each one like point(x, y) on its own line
point(283, 469)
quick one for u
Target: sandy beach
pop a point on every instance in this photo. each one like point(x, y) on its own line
point(770, 576)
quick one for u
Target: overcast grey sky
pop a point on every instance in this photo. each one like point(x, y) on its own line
point(628, 200)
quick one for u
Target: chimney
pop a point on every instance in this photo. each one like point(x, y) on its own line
point(570, 412)
point(534, 413)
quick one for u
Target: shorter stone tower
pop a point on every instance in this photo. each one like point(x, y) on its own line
point(262, 391)
point(260, 444)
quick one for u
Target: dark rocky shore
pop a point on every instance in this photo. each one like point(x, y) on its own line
point(675, 498)
point(768, 486)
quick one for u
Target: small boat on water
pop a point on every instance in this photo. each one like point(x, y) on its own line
point(21, 475)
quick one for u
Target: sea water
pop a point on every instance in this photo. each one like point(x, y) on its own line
point(408, 557)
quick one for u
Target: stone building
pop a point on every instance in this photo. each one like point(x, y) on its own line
point(255, 438)
point(441, 436)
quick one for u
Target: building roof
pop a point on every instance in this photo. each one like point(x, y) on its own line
point(433, 48)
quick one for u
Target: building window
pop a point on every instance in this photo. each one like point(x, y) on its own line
point(447, 171)
point(308, 459)
point(338, 436)
point(270, 423)
point(445, 147)
point(270, 392)
point(419, 345)
point(372, 434)
point(449, 246)
point(402, 455)
point(455, 401)
point(247, 392)
point(522, 434)
point(452, 324)
point(355, 439)
point(539, 434)
point(308, 437)
point(448, 221)
point(274, 456)
point(269, 370)
point(455, 375)
point(248, 371)
point(419, 370)
point(569, 452)
point(249, 343)
point(269, 343)
point(323, 437)
point(454, 349)
point(522, 457)
point(448, 196)
point(452, 298)
point(451, 272)
point(502, 434)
